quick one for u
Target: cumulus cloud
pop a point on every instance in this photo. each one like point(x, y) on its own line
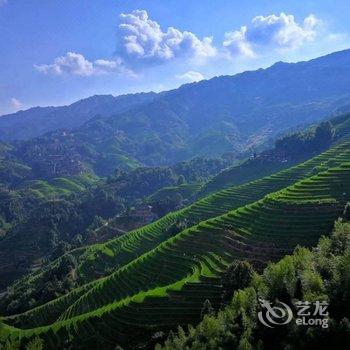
point(15, 103)
point(190, 76)
point(76, 64)
point(271, 32)
point(143, 41)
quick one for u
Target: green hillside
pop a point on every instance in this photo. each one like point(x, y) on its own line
point(162, 276)
point(61, 185)
point(44, 217)
point(165, 193)
point(288, 151)
point(317, 274)
point(93, 261)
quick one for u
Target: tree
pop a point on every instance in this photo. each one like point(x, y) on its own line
point(346, 213)
point(323, 135)
point(35, 344)
point(237, 326)
point(181, 180)
point(238, 276)
point(207, 309)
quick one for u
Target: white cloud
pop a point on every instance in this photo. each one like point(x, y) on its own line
point(191, 76)
point(237, 43)
point(15, 103)
point(76, 64)
point(3, 2)
point(142, 41)
point(271, 32)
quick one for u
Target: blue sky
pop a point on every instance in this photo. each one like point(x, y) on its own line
point(55, 52)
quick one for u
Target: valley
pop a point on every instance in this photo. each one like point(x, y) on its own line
point(153, 213)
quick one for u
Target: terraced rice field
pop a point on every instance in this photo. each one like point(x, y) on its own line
point(168, 283)
point(95, 260)
point(255, 168)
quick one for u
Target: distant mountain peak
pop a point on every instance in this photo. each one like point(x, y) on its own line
point(289, 94)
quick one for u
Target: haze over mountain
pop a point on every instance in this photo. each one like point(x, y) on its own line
point(238, 106)
point(208, 118)
point(38, 120)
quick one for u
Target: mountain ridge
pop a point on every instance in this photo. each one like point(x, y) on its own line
point(81, 111)
point(229, 114)
point(252, 88)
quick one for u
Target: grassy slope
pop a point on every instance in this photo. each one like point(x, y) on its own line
point(185, 190)
point(167, 285)
point(94, 260)
point(252, 169)
point(248, 170)
point(60, 186)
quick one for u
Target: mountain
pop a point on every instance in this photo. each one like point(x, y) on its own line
point(157, 277)
point(39, 120)
point(291, 279)
point(43, 218)
point(209, 118)
point(290, 149)
point(93, 285)
point(23, 225)
point(70, 203)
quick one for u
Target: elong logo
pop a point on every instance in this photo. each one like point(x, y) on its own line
point(274, 315)
point(308, 314)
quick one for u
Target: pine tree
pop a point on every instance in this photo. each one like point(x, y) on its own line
point(346, 213)
point(35, 344)
point(207, 309)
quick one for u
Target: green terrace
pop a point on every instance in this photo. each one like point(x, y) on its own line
point(257, 168)
point(168, 284)
point(95, 260)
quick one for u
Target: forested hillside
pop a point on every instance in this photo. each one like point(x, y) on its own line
point(289, 150)
point(159, 276)
point(213, 205)
point(225, 114)
point(45, 218)
point(39, 120)
point(70, 216)
point(130, 216)
point(318, 274)
point(174, 175)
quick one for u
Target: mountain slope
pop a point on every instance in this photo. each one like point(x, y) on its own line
point(286, 281)
point(38, 120)
point(93, 261)
point(40, 217)
point(208, 118)
point(289, 150)
point(167, 285)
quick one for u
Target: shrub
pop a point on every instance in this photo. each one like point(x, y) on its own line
point(238, 276)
